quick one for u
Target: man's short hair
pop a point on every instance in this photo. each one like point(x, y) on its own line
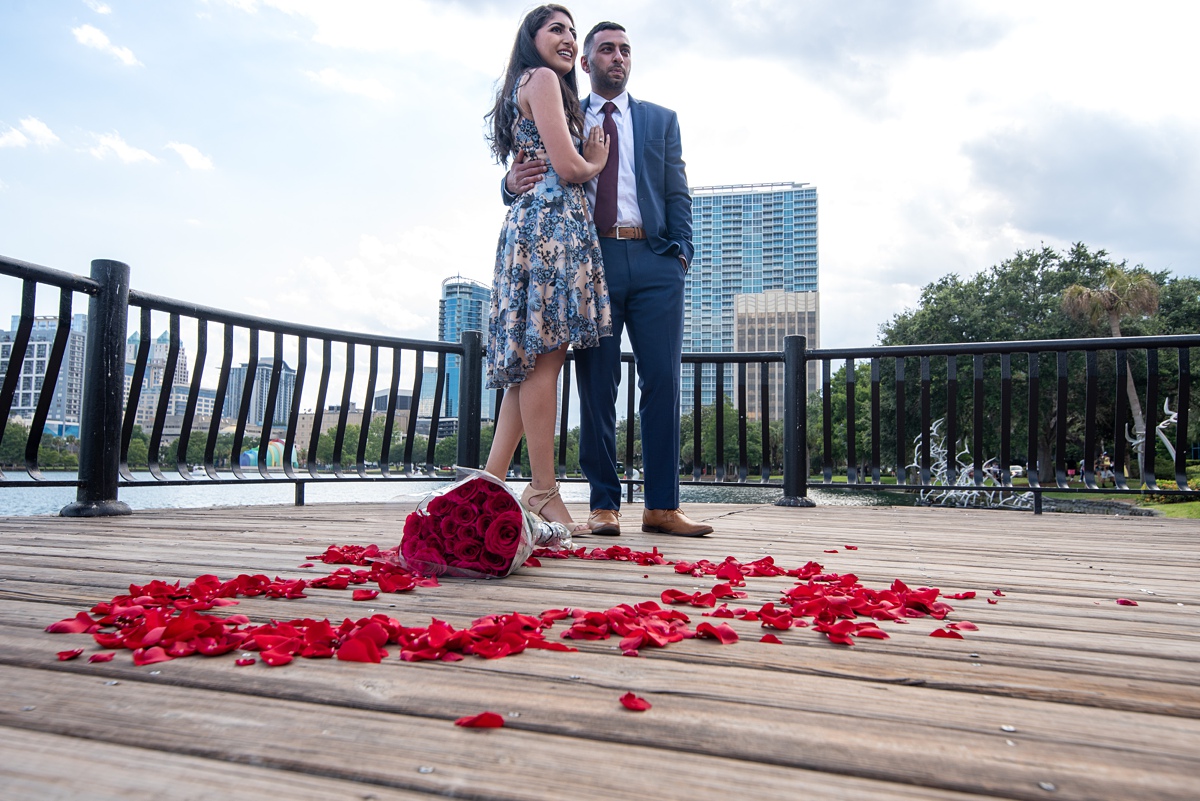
point(590, 39)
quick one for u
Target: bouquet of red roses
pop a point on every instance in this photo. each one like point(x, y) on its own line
point(475, 528)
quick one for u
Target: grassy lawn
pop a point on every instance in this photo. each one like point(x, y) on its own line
point(1187, 509)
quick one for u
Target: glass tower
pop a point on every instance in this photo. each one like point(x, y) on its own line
point(750, 239)
point(464, 307)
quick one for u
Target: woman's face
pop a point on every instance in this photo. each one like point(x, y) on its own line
point(555, 42)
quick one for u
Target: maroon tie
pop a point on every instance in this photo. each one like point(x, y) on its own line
point(606, 186)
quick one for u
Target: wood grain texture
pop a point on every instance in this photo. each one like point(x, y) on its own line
point(1103, 698)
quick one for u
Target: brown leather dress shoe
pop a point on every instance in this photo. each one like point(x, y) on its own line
point(672, 521)
point(605, 523)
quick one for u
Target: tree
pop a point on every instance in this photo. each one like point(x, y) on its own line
point(1123, 293)
point(12, 446)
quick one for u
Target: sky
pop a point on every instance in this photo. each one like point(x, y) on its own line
point(324, 161)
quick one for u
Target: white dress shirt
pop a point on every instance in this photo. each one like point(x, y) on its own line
point(628, 212)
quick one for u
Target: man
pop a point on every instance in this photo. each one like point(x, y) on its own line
point(643, 213)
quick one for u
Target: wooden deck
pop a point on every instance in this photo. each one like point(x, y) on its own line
point(1061, 693)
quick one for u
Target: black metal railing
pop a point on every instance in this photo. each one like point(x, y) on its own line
point(887, 433)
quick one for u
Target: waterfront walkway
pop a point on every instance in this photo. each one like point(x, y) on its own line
point(1061, 693)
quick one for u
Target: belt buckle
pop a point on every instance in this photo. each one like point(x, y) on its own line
point(617, 229)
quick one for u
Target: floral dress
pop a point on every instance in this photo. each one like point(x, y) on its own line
point(549, 287)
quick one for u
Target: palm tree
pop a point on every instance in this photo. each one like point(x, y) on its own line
point(1125, 293)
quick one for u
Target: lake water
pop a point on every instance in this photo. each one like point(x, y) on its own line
point(49, 500)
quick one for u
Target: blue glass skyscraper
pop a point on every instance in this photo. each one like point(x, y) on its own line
point(463, 307)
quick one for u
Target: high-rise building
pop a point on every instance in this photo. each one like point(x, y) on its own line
point(463, 307)
point(153, 377)
point(259, 390)
point(761, 322)
point(63, 414)
point(751, 240)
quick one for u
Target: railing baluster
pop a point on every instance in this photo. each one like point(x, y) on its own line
point(435, 422)
point(414, 405)
point(562, 421)
point(45, 392)
point(368, 400)
point(239, 431)
point(214, 425)
point(343, 411)
point(389, 422)
point(1032, 458)
point(719, 411)
point(764, 410)
point(1150, 445)
point(697, 421)
point(268, 419)
point(876, 445)
point(470, 397)
point(1005, 419)
point(951, 419)
point(135, 392)
point(289, 440)
point(1120, 418)
point(926, 423)
point(314, 440)
point(1060, 423)
point(1091, 391)
point(826, 422)
point(189, 413)
point(901, 444)
point(853, 476)
point(630, 417)
point(743, 456)
point(18, 352)
point(977, 434)
point(166, 393)
point(1181, 420)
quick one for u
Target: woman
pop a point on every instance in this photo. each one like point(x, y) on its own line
point(549, 290)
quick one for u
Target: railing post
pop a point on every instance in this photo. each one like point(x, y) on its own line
point(795, 424)
point(103, 395)
point(470, 398)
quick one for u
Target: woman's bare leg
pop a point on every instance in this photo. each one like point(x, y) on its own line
point(507, 434)
point(539, 411)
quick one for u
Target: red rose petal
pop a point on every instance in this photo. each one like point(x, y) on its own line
point(632, 702)
point(63, 656)
point(992, 601)
point(964, 625)
point(148, 656)
point(306, 564)
point(997, 592)
point(771, 638)
point(365, 595)
point(1126, 602)
point(484, 720)
point(850, 547)
point(954, 635)
point(831, 550)
point(722, 632)
point(244, 662)
point(80, 624)
point(107, 656)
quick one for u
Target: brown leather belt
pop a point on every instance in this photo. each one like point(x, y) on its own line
point(623, 232)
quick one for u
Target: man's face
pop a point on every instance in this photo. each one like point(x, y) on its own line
point(609, 63)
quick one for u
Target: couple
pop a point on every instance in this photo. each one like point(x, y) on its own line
point(597, 239)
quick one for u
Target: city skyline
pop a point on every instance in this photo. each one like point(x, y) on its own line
point(325, 167)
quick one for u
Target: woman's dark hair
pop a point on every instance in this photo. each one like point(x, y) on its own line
point(524, 57)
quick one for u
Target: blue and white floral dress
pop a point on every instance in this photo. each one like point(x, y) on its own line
point(549, 287)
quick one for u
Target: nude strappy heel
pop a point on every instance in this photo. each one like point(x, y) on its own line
point(535, 500)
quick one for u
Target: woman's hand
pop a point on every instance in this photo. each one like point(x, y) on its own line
point(595, 148)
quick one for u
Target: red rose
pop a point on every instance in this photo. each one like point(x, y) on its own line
point(466, 550)
point(465, 514)
point(439, 505)
point(504, 535)
point(498, 504)
point(494, 563)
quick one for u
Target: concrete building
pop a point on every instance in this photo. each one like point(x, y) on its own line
point(761, 321)
point(66, 405)
point(259, 389)
point(751, 240)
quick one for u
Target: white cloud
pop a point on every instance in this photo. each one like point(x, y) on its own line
point(13, 138)
point(98, 7)
point(89, 36)
point(191, 156)
point(38, 131)
point(366, 87)
point(115, 145)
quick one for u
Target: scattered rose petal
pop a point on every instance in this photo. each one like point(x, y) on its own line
point(771, 638)
point(997, 592)
point(306, 564)
point(484, 720)
point(63, 656)
point(631, 701)
point(722, 632)
point(244, 662)
point(106, 656)
point(850, 547)
point(992, 601)
point(831, 550)
point(962, 596)
point(954, 635)
point(365, 595)
point(1126, 602)
point(964, 625)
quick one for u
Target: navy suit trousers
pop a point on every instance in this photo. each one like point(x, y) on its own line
point(646, 290)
